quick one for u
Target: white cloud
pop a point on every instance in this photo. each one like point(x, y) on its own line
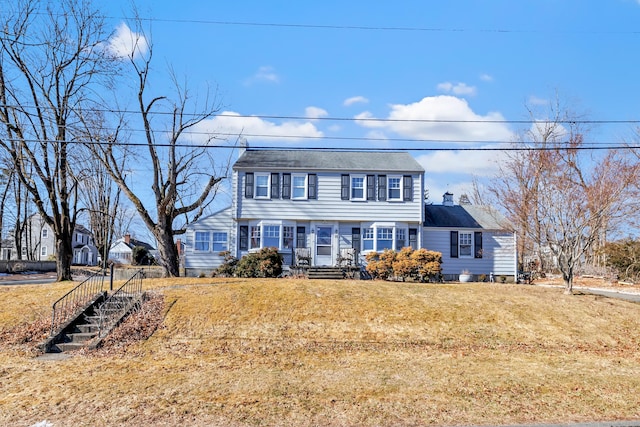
point(315, 112)
point(264, 74)
point(479, 163)
point(358, 99)
point(457, 89)
point(444, 118)
point(255, 129)
point(124, 43)
point(489, 78)
point(534, 100)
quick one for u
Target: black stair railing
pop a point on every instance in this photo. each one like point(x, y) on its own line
point(119, 303)
point(74, 301)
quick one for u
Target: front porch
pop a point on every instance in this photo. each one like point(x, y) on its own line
point(346, 265)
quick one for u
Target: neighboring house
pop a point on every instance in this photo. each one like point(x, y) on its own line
point(85, 251)
point(40, 241)
point(474, 239)
point(322, 203)
point(121, 251)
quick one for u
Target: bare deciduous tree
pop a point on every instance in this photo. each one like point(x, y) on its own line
point(562, 197)
point(51, 56)
point(183, 180)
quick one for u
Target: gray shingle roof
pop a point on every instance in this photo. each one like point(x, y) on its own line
point(465, 216)
point(316, 160)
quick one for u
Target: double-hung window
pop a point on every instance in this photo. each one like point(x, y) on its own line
point(381, 236)
point(357, 187)
point(271, 235)
point(201, 241)
point(299, 186)
point(394, 186)
point(465, 243)
point(384, 238)
point(262, 185)
point(219, 241)
point(45, 233)
point(255, 237)
point(287, 236)
point(401, 238)
point(367, 239)
point(277, 234)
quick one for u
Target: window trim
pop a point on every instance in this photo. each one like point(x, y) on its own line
point(363, 188)
point(256, 178)
point(213, 241)
point(463, 235)
point(304, 188)
point(399, 188)
point(197, 241)
point(259, 226)
point(375, 228)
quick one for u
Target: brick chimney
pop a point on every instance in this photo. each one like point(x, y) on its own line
point(127, 238)
point(179, 247)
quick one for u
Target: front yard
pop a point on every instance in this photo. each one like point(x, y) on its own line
point(365, 353)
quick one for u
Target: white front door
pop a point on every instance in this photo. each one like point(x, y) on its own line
point(324, 255)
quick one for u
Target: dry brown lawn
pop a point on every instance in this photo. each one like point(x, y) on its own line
point(336, 353)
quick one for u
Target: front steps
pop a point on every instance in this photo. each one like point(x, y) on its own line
point(78, 333)
point(83, 331)
point(335, 273)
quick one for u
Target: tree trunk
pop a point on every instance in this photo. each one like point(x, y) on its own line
point(568, 284)
point(64, 258)
point(168, 254)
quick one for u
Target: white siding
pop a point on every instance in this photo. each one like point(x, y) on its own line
point(205, 262)
point(498, 252)
point(329, 206)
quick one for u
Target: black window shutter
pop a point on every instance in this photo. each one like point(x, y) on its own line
point(312, 186)
point(248, 185)
point(454, 244)
point(477, 239)
point(244, 237)
point(382, 187)
point(355, 238)
point(371, 187)
point(407, 188)
point(344, 188)
point(413, 238)
point(286, 185)
point(275, 186)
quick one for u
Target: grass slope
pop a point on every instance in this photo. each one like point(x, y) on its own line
point(299, 352)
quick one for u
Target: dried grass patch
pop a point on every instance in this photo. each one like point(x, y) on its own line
point(299, 352)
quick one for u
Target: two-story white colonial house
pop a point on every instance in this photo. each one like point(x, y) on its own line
point(326, 202)
point(39, 243)
point(322, 200)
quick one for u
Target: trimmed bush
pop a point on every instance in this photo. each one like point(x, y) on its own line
point(421, 264)
point(265, 263)
point(228, 267)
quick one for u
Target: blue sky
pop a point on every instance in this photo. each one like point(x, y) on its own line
point(407, 59)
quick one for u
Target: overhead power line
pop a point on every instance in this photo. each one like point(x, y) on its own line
point(25, 109)
point(373, 27)
point(522, 147)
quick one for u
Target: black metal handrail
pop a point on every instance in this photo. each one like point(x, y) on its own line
point(117, 304)
point(75, 300)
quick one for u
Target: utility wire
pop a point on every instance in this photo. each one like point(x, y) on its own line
point(24, 109)
point(372, 28)
point(524, 146)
